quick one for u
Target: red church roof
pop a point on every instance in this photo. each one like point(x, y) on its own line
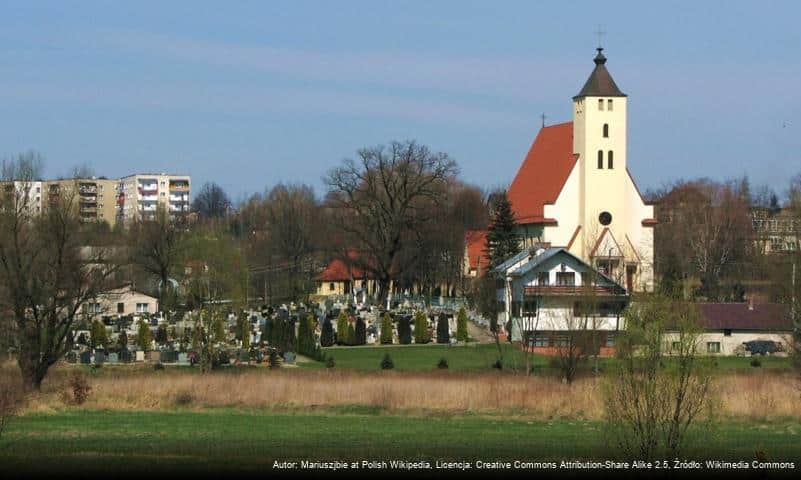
point(475, 242)
point(543, 173)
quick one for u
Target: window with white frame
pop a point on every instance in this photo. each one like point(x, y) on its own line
point(142, 307)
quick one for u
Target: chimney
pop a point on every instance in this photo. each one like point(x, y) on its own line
point(751, 302)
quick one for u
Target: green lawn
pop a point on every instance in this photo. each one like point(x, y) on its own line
point(482, 356)
point(421, 357)
point(108, 442)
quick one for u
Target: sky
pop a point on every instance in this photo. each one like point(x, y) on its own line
point(252, 93)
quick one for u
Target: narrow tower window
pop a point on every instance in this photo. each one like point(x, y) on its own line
point(600, 104)
point(606, 130)
point(611, 160)
point(609, 104)
point(600, 159)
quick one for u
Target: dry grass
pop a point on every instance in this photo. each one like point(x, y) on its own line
point(753, 396)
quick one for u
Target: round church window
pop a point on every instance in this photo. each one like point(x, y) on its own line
point(605, 218)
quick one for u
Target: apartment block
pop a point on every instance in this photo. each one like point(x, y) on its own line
point(140, 195)
point(28, 192)
point(95, 198)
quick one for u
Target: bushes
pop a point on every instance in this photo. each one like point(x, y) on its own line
point(421, 328)
point(78, 389)
point(443, 330)
point(443, 363)
point(327, 333)
point(386, 330)
point(387, 363)
point(329, 362)
point(461, 325)
point(755, 362)
point(11, 397)
point(184, 398)
point(350, 339)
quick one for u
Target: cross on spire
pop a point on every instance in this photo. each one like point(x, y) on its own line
point(543, 120)
point(600, 32)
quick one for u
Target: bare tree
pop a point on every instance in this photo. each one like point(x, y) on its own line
point(215, 285)
point(384, 198)
point(211, 202)
point(660, 387)
point(156, 247)
point(46, 274)
point(704, 231)
point(293, 218)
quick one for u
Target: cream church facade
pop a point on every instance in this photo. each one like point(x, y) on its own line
point(574, 189)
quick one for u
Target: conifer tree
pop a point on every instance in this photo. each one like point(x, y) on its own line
point(342, 328)
point(307, 344)
point(502, 240)
point(386, 330)
point(219, 329)
point(122, 340)
point(461, 325)
point(361, 332)
point(351, 336)
point(161, 335)
point(98, 336)
point(420, 328)
point(144, 337)
point(327, 333)
point(404, 330)
point(443, 329)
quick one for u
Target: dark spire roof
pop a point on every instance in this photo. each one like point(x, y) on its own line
point(600, 83)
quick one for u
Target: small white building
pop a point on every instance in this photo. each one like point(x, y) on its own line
point(738, 328)
point(121, 301)
point(553, 297)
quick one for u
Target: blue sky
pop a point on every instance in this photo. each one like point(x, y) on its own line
point(249, 94)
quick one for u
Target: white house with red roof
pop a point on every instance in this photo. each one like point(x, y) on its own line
point(574, 188)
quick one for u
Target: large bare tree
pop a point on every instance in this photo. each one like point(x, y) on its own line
point(211, 202)
point(384, 198)
point(46, 271)
point(293, 220)
point(704, 233)
point(156, 247)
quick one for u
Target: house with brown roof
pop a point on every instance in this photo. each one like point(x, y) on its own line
point(744, 328)
point(574, 188)
point(343, 276)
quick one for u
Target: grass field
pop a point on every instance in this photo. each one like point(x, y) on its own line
point(138, 419)
point(482, 356)
point(103, 442)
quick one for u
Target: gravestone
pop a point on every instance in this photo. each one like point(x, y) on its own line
point(113, 358)
point(140, 356)
point(154, 356)
point(183, 358)
point(86, 357)
point(100, 358)
point(289, 357)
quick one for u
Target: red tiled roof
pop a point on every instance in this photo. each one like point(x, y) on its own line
point(737, 316)
point(543, 173)
point(337, 270)
point(475, 242)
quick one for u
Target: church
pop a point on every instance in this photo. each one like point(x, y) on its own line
point(574, 189)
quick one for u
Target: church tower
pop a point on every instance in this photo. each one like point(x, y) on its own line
point(599, 140)
point(574, 188)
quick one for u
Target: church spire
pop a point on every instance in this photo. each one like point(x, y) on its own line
point(600, 83)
